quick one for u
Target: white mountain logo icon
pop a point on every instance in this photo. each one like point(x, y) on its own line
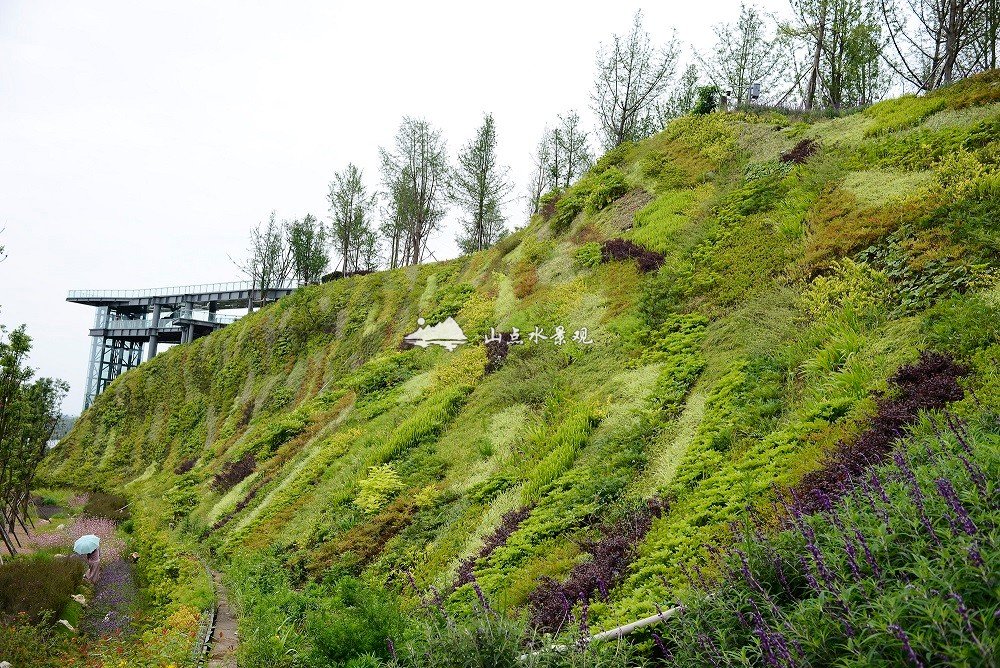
point(446, 334)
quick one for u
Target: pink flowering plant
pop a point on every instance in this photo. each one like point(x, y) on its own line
point(112, 547)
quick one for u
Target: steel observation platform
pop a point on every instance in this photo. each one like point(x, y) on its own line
point(127, 320)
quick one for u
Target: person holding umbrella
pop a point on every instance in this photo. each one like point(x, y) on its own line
point(89, 546)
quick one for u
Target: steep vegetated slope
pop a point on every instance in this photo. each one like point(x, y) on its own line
point(750, 283)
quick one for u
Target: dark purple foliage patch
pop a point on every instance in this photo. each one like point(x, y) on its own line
point(610, 556)
point(622, 249)
point(509, 523)
point(928, 384)
point(800, 152)
point(496, 352)
point(234, 472)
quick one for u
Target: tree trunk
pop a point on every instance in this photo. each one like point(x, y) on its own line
point(814, 75)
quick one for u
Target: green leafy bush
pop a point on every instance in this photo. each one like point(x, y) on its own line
point(492, 641)
point(377, 488)
point(182, 497)
point(707, 101)
point(852, 285)
point(547, 203)
point(566, 211)
point(588, 255)
point(614, 158)
point(353, 623)
point(450, 301)
point(676, 346)
point(381, 373)
point(38, 646)
point(610, 186)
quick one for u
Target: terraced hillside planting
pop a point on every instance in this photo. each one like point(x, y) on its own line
point(768, 390)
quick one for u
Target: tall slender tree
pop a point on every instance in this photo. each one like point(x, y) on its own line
point(572, 143)
point(480, 187)
point(29, 411)
point(809, 27)
point(981, 53)
point(415, 174)
point(541, 177)
point(632, 75)
point(351, 213)
point(681, 98)
point(308, 241)
point(842, 39)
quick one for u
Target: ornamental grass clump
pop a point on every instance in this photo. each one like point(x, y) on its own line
point(38, 586)
point(241, 505)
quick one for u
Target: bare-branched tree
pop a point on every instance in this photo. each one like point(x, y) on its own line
point(932, 40)
point(981, 54)
point(681, 98)
point(745, 53)
point(632, 75)
point(269, 260)
point(569, 149)
point(843, 44)
point(541, 177)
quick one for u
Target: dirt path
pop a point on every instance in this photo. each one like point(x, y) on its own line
point(225, 639)
point(24, 548)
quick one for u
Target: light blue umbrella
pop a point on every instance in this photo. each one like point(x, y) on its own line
point(86, 544)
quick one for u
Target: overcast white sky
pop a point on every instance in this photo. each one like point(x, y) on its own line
point(140, 141)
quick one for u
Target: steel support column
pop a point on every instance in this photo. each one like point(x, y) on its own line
point(154, 339)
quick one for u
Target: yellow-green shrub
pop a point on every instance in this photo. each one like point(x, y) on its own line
point(376, 489)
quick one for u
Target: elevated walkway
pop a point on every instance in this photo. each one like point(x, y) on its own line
point(126, 321)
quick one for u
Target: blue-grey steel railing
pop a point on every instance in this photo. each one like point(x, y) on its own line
point(167, 320)
point(232, 286)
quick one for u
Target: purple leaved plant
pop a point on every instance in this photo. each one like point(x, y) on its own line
point(610, 555)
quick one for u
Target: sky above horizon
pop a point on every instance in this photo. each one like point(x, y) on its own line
point(140, 142)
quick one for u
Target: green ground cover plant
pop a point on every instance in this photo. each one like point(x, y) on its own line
point(729, 319)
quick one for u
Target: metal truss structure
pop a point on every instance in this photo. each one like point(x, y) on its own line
point(127, 321)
